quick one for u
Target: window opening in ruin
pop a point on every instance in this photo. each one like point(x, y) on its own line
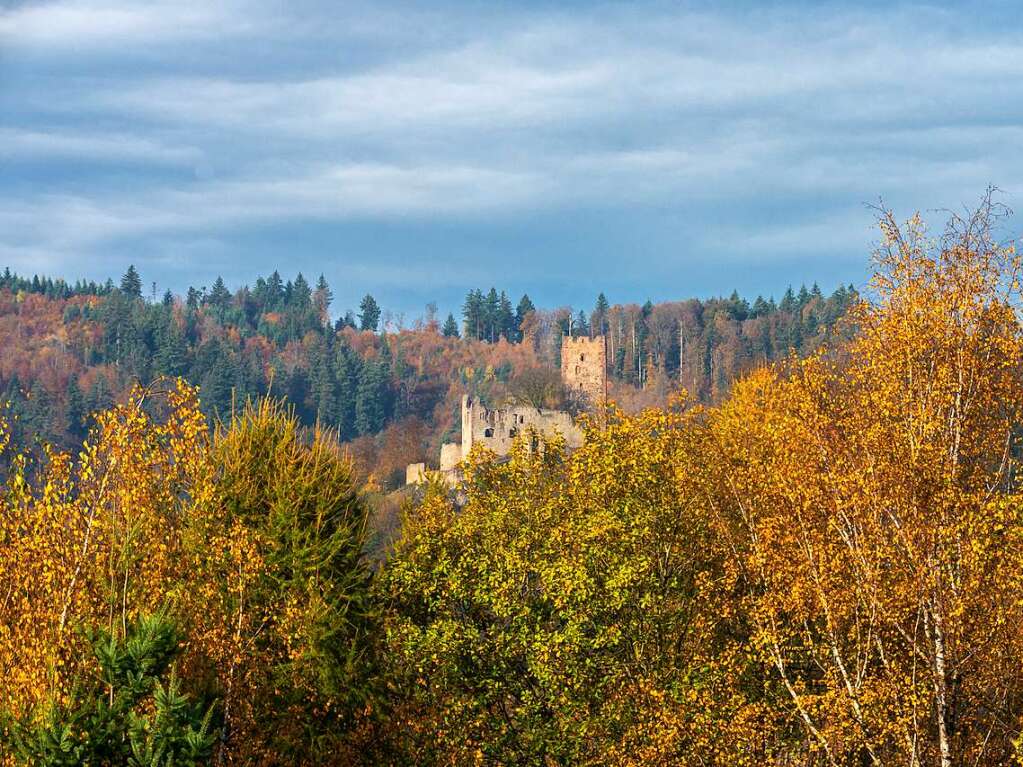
point(582, 358)
point(488, 432)
point(512, 432)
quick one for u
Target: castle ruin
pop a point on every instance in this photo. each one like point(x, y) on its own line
point(584, 375)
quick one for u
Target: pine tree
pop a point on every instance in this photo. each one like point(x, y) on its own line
point(369, 316)
point(506, 319)
point(472, 314)
point(301, 293)
point(322, 299)
point(491, 318)
point(220, 296)
point(450, 329)
point(371, 398)
point(74, 411)
point(600, 312)
point(523, 310)
point(131, 283)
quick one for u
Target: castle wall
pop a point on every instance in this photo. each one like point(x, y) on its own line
point(450, 455)
point(415, 473)
point(584, 369)
point(497, 428)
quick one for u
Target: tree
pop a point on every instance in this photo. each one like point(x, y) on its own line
point(598, 319)
point(219, 297)
point(277, 571)
point(876, 497)
point(450, 329)
point(74, 411)
point(491, 316)
point(322, 298)
point(131, 283)
point(537, 387)
point(371, 398)
point(133, 713)
point(572, 610)
point(473, 315)
point(522, 311)
point(369, 315)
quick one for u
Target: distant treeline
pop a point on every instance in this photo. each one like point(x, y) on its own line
point(71, 350)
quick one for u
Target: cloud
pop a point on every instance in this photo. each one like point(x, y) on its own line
point(90, 24)
point(764, 130)
point(66, 145)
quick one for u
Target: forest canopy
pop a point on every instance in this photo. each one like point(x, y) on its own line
point(820, 567)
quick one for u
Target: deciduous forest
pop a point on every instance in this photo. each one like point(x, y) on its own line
point(794, 538)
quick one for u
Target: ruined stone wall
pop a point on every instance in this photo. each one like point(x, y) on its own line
point(497, 428)
point(584, 369)
point(450, 455)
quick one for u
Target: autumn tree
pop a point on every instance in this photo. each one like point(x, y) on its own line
point(280, 592)
point(575, 610)
point(875, 515)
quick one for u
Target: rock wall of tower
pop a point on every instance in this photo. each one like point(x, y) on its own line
point(584, 369)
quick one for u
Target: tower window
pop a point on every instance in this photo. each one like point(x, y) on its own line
point(488, 432)
point(582, 357)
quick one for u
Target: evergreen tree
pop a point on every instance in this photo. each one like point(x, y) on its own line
point(371, 398)
point(581, 327)
point(599, 317)
point(472, 314)
point(788, 301)
point(168, 299)
point(322, 299)
point(346, 377)
point(74, 411)
point(491, 319)
point(301, 293)
point(369, 315)
point(131, 283)
point(506, 319)
point(171, 357)
point(450, 329)
point(220, 297)
point(132, 713)
point(524, 309)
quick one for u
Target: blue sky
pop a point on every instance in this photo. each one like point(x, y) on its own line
point(650, 150)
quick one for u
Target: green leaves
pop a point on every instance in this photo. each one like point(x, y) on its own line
point(108, 720)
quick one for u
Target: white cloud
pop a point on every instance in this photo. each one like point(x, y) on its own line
point(23, 144)
point(334, 114)
point(87, 24)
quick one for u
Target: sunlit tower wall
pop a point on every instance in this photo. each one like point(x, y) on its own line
point(584, 370)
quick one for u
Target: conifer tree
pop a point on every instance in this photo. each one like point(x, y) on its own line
point(369, 315)
point(599, 318)
point(524, 309)
point(131, 283)
point(450, 329)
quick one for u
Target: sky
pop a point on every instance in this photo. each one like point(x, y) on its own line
point(414, 151)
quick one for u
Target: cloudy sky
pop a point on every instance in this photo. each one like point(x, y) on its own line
point(650, 150)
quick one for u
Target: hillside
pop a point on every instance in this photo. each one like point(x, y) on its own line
point(390, 392)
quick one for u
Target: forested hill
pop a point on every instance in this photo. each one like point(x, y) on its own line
point(390, 390)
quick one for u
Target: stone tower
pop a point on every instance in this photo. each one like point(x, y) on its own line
point(584, 369)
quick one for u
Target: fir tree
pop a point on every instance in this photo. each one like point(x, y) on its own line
point(322, 298)
point(131, 283)
point(523, 310)
point(369, 315)
point(450, 329)
point(600, 312)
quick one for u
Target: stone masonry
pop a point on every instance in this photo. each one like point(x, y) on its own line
point(584, 374)
point(584, 370)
